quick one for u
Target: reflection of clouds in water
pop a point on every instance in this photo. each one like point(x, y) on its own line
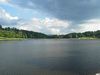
point(50, 57)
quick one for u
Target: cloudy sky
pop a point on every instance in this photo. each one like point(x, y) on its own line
point(51, 16)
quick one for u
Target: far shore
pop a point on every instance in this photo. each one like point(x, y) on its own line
point(88, 38)
point(11, 39)
point(8, 39)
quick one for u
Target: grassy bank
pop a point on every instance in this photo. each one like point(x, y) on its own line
point(4, 38)
point(88, 38)
point(82, 38)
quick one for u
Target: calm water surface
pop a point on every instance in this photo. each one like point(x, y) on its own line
point(50, 57)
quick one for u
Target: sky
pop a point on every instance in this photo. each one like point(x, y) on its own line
point(51, 16)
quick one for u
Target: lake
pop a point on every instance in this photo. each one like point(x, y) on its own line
point(50, 57)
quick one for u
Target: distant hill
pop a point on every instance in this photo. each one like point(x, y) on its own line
point(16, 33)
point(88, 34)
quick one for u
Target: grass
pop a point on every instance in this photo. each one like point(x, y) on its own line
point(4, 38)
point(9, 39)
point(88, 38)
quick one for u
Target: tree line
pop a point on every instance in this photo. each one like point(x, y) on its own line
point(16, 33)
point(88, 34)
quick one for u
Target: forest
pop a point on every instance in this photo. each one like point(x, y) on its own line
point(17, 33)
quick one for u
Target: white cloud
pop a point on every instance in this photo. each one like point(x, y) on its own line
point(4, 1)
point(47, 25)
point(7, 16)
point(89, 25)
point(55, 23)
point(7, 19)
point(31, 26)
point(55, 31)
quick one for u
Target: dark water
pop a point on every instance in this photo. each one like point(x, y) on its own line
point(50, 57)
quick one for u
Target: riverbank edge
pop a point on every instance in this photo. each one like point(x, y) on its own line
point(10, 39)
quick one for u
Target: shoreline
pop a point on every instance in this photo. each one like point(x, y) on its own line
point(10, 39)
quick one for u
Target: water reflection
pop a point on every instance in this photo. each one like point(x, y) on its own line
point(50, 57)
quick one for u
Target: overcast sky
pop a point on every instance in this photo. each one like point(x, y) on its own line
point(51, 16)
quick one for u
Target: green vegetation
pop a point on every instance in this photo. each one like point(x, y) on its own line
point(16, 34)
point(4, 38)
point(85, 35)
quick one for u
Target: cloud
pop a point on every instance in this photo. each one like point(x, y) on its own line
point(4, 1)
point(75, 10)
point(56, 26)
point(55, 31)
point(63, 16)
point(88, 25)
point(7, 19)
point(47, 25)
